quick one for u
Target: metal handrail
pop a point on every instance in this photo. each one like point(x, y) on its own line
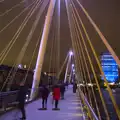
point(88, 105)
point(9, 98)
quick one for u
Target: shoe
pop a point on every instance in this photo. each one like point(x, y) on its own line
point(56, 109)
point(42, 109)
point(22, 118)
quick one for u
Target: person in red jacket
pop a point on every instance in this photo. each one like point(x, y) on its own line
point(56, 96)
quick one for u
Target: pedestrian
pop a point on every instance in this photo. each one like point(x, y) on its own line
point(56, 96)
point(21, 99)
point(66, 84)
point(62, 90)
point(74, 87)
point(44, 95)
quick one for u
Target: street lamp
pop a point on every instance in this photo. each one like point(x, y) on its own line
point(20, 66)
point(70, 53)
point(72, 65)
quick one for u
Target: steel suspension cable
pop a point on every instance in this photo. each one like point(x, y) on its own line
point(18, 31)
point(58, 37)
point(92, 68)
point(79, 60)
point(24, 48)
point(51, 52)
point(71, 34)
point(63, 65)
point(16, 35)
point(53, 64)
point(82, 52)
point(2, 1)
point(82, 67)
point(21, 26)
point(100, 67)
point(24, 10)
point(84, 74)
point(8, 10)
point(80, 63)
point(101, 36)
point(33, 55)
point(55, 51)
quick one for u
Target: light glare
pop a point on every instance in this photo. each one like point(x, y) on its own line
point(71, 53)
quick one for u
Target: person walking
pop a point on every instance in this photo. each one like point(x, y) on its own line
point(45, 94)
point(67, 83)
point(21, 99)
point(62, 90)
point(74, 87)
point(56, 96)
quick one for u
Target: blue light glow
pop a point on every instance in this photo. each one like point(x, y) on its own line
point(109, 67)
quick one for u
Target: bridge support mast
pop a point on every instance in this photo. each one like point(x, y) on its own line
point(68, 64)
point(42, 49)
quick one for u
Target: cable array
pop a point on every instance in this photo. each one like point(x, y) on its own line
point(29, 37)
point(9, 10)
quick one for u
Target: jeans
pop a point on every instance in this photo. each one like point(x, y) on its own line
point(56, 103)
point(62, 95)
point(22, 109)
point(44, 103)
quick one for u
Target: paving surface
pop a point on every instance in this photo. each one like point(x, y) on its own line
point(69, 110)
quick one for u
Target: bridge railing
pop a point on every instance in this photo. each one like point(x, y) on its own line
point(86, 103)
point(6, 98)
point(9, 99)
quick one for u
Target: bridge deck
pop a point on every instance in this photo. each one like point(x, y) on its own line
point(69, 110)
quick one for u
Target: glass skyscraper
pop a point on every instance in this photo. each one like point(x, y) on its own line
point(110, 67)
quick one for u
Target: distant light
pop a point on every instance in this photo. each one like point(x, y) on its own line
point(26, 100)
point(72, 65)
point(25, 66)
point(45, 73)
point(89, 84)
point(20, 66)
point(70, 53)
point(26, 95)
point(112, 83)
point(80, 84)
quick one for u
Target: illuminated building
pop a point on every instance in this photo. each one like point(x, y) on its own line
point(109, 67)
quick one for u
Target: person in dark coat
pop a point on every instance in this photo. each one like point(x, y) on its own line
point(44, 95)
point(74, 87)
point(56, 96)
point(21, 99)
point(66, 84)
point(62, 90)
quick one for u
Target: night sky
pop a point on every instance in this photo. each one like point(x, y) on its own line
point(105, 13)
